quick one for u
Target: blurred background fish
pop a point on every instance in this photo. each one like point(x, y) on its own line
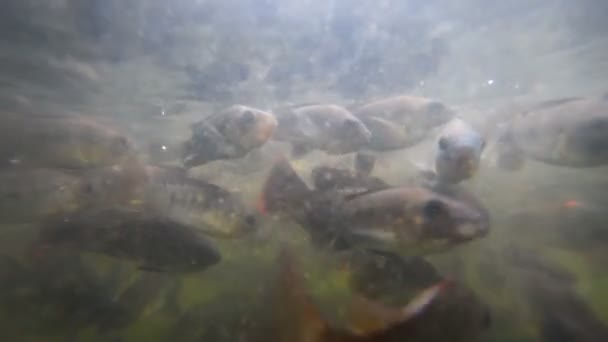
point(401, 121)
point(228, 134)
point(65, 141)
point(569, 132)
point(155, 243)
point(329, 128)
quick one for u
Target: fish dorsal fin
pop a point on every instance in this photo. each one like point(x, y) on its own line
point(283, 188)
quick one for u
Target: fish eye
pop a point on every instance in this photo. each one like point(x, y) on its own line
point(443, 143)
point(433, 209)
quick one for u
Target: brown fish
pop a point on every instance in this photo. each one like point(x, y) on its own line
point(154, 242)
point(401, 121)
point(172, 193)
point(402, 219)
point(229, 134)
point(202, 205)
point(329, 128)
point(295, 317)
point(569, 132)
point(30, 194)
point(68, 142)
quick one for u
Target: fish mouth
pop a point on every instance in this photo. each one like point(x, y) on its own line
point(469, 166)
point(467, 231)
point(468, 163)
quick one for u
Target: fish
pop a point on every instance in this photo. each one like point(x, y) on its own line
point(329, 128)
point(155, 243)
point(228, 134)
point(170, 192)
point(208, 208)
point(458, 193)
point(62, 141)
point(294, 316)
point(404, 220)
point(567, 132)
point(379, 276)
point(325, 178)
point(458, 152)
point(401, 121)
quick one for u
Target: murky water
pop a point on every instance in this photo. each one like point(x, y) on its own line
point(162, 170)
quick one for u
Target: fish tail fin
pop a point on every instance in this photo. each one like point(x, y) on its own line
point(297, 316)
point(283, 189)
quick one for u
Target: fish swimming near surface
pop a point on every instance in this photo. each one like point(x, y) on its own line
point(401, 121)
point(328, 128)
point(65, 141)
point(229, 134)
point(404, 220)
point(570, 132)
point(154, 242)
